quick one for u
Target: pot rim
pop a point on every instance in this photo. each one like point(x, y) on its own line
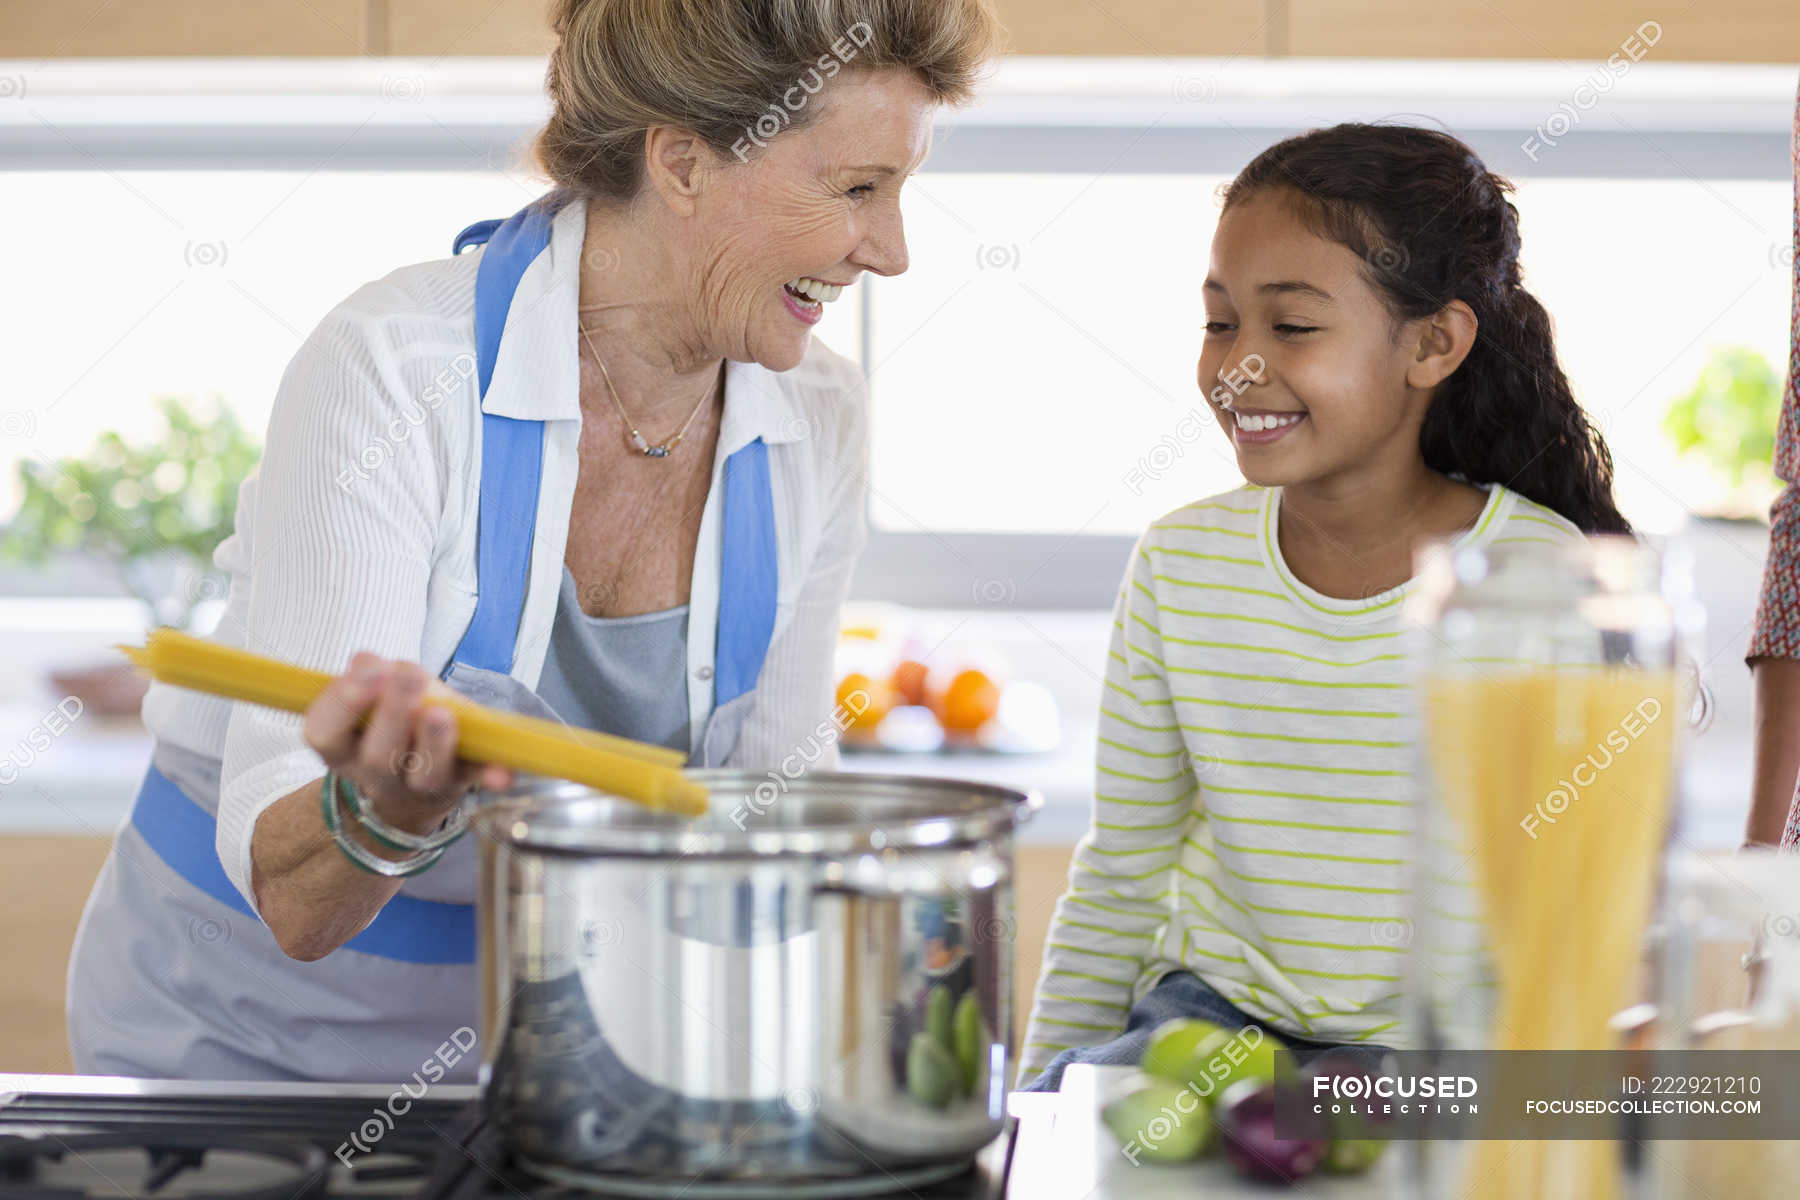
point(540, 813)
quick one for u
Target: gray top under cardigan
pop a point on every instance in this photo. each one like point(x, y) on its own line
point(621, 675)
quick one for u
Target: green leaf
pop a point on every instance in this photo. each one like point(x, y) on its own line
point(1727, 419)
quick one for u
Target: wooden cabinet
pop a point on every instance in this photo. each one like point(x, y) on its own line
point(108, 28)
point(1171, 28)
point(430, 28)
point(44, 884)
point(1589, 31)
point(1730, 31)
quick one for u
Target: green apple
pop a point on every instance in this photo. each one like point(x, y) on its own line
point(932, 1075)
point(1258, 1063)
point(937, 1017)
point(1222, 1058)
point(1165, 1122)
point(1172, 1047)
point(1350, 1156)
point(971, 1039)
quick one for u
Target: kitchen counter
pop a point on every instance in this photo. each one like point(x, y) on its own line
point(81, 776)
point(1073, 1156)
point(84, 778)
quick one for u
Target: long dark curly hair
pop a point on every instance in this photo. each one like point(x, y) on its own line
point(1432, 224)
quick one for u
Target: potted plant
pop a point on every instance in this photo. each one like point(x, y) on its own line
point(156, 509)
point(1727, 422)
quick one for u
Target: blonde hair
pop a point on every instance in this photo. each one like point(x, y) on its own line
point(731, 71)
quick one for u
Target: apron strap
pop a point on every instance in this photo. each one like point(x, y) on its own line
point(406, 929)
point(749, 576)
point(512, 450)
point(476, 234)
point(512, 461)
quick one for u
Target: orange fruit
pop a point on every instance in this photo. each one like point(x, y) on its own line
point(969, 702)
point(863, 702)
point(908, 681)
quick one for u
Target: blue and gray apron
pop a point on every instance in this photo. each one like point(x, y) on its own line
point(172, 974)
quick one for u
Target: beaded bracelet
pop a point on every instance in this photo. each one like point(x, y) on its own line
point(330, 795)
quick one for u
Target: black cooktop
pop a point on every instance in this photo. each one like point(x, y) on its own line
point(187, 1144)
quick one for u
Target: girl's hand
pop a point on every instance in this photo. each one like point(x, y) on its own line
point(403, 760)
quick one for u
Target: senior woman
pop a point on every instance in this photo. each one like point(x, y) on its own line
point(596, 468)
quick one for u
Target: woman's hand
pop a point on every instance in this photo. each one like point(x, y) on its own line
point(403, 760)
point(377, 726)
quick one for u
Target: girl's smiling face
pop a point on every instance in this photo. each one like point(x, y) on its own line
point(1317, 382)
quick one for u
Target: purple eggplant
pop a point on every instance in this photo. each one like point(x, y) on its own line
point(1246, 1120)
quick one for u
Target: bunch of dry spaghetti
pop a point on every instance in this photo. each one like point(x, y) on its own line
point(1566, 907)
point(649, 775)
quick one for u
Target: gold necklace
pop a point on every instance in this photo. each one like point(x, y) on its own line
point(635, 439)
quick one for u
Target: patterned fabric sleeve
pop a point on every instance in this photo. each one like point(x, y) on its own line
point(1777, 633)
point(1776, 615)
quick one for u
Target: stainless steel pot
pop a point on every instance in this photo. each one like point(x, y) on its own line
point(808, 992)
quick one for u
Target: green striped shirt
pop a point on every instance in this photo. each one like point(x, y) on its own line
point(1251, 818)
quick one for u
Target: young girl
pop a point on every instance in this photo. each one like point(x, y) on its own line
point(1383, 378)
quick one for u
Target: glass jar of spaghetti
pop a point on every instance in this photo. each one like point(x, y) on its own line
point(1550, 693)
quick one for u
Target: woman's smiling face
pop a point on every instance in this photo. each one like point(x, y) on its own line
point(1303, 352)
point(808, 214)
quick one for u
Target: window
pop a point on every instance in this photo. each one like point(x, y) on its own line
point(1032, 369)
point(148, 283)
point(184, 226)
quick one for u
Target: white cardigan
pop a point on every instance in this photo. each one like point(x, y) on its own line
point(357, 530)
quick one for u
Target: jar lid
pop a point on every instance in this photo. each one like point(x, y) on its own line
point(757, 813)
